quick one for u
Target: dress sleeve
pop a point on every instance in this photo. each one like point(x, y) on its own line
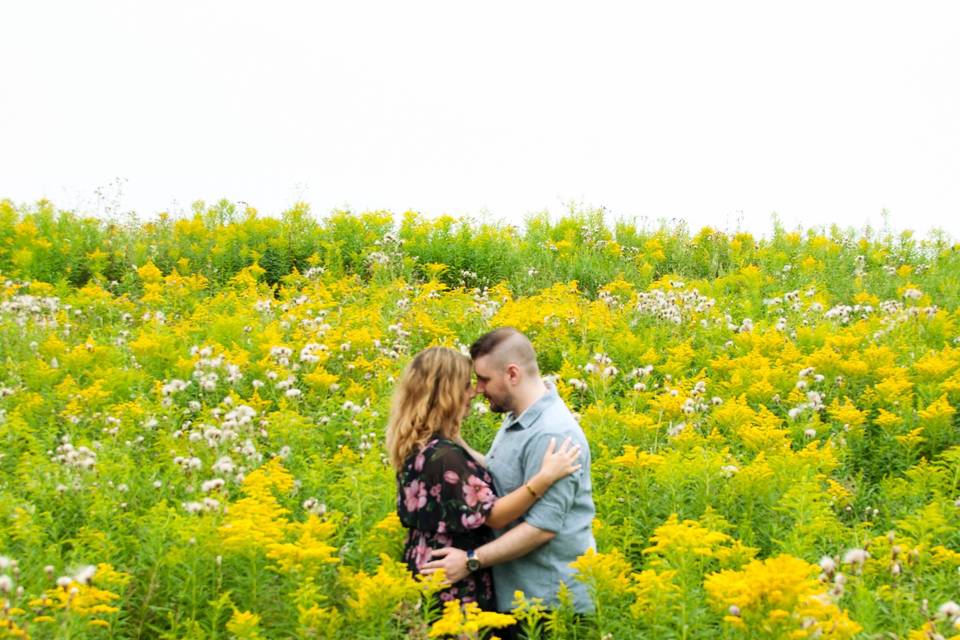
point(459, 485)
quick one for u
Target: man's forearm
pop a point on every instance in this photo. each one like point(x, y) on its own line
point(517, 542)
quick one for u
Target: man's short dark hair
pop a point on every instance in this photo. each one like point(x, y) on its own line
point(518, 350)
point(490, 341)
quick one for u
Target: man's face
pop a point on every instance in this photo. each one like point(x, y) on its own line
point(492, 383)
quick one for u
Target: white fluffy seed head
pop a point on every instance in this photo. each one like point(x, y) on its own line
point(949, 610)
point(856, 556)
point(84, 574)
point(828, 565)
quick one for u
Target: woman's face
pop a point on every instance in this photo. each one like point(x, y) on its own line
point(468, 397)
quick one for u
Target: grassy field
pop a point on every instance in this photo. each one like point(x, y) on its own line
point(192, 415)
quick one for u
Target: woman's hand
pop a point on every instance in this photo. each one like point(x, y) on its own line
point(559, 463)
point(476, 455)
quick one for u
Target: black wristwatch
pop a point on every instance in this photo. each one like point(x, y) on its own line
point(473, 563)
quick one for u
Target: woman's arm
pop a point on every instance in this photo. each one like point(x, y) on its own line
point(556, 464)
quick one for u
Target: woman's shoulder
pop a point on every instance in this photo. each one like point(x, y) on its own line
point(443, 446)
point(435, 450)
point(447, 453)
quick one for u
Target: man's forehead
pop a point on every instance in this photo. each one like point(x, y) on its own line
point(483, 365)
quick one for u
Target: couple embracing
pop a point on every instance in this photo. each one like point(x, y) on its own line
point(513, 519)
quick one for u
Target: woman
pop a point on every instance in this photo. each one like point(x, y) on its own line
point(445, 498)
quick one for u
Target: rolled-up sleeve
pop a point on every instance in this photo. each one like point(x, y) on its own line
point(551, 510)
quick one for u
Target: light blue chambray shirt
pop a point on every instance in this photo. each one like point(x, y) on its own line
point(566, 508)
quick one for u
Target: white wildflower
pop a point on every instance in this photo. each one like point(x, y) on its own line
point(856, 556)
point(212, 485)
point(949, 610)
point(193, 507)
point(828, 565)
point(84, 574)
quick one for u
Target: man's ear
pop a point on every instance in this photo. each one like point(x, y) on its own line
point(513, 373)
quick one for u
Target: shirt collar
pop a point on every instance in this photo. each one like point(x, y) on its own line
point(528, 417)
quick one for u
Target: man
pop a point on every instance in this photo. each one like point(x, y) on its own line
point(533, 554)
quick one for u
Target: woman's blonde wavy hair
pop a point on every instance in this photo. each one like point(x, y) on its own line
point(429, 399)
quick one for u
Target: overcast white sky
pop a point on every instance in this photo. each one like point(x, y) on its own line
point(711, 112)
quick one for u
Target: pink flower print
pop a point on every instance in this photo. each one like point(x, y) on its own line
point(473, 489)
point(476, 490)
point(415, 495)
point(435, 490)
point(472, 520)
point(451, 476)
point(418, 462)
point(444, 539)
point(441, 527)
point(486, 495)
point(421, 553)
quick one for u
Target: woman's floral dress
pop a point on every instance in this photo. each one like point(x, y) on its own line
point(443, 500)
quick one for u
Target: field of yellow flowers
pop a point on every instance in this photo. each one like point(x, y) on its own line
point(192, 414)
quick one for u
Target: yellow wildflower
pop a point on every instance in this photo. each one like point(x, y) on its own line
point(310, 551)
point(886, 420)
point(602, 572)
point(675, 541)
point(634, 459)
point(653, 592)
point(847, 413)
point(527, 610)
point(83, 599)
point(321, 379)
point(258, 520)
point(149, 272)
point(764, 432)
point(390, 523)
point(381, 592)
point(939, 412)
point(468, 620)
point(778, 597)
point(911, 439)
point(319, 622)
point(244, 625)
point(895, 386)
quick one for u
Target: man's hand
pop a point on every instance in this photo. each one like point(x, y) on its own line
point(452, 561)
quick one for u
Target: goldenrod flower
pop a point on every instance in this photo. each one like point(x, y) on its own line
point(779, 597)
point(467, 620)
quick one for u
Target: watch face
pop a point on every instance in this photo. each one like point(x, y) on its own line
point(473, 564)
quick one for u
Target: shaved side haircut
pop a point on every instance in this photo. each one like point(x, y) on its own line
point(507, 345)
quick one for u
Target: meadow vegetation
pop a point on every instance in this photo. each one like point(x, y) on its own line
point(192, 413)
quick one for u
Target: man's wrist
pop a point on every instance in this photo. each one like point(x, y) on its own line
point(473, 562)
